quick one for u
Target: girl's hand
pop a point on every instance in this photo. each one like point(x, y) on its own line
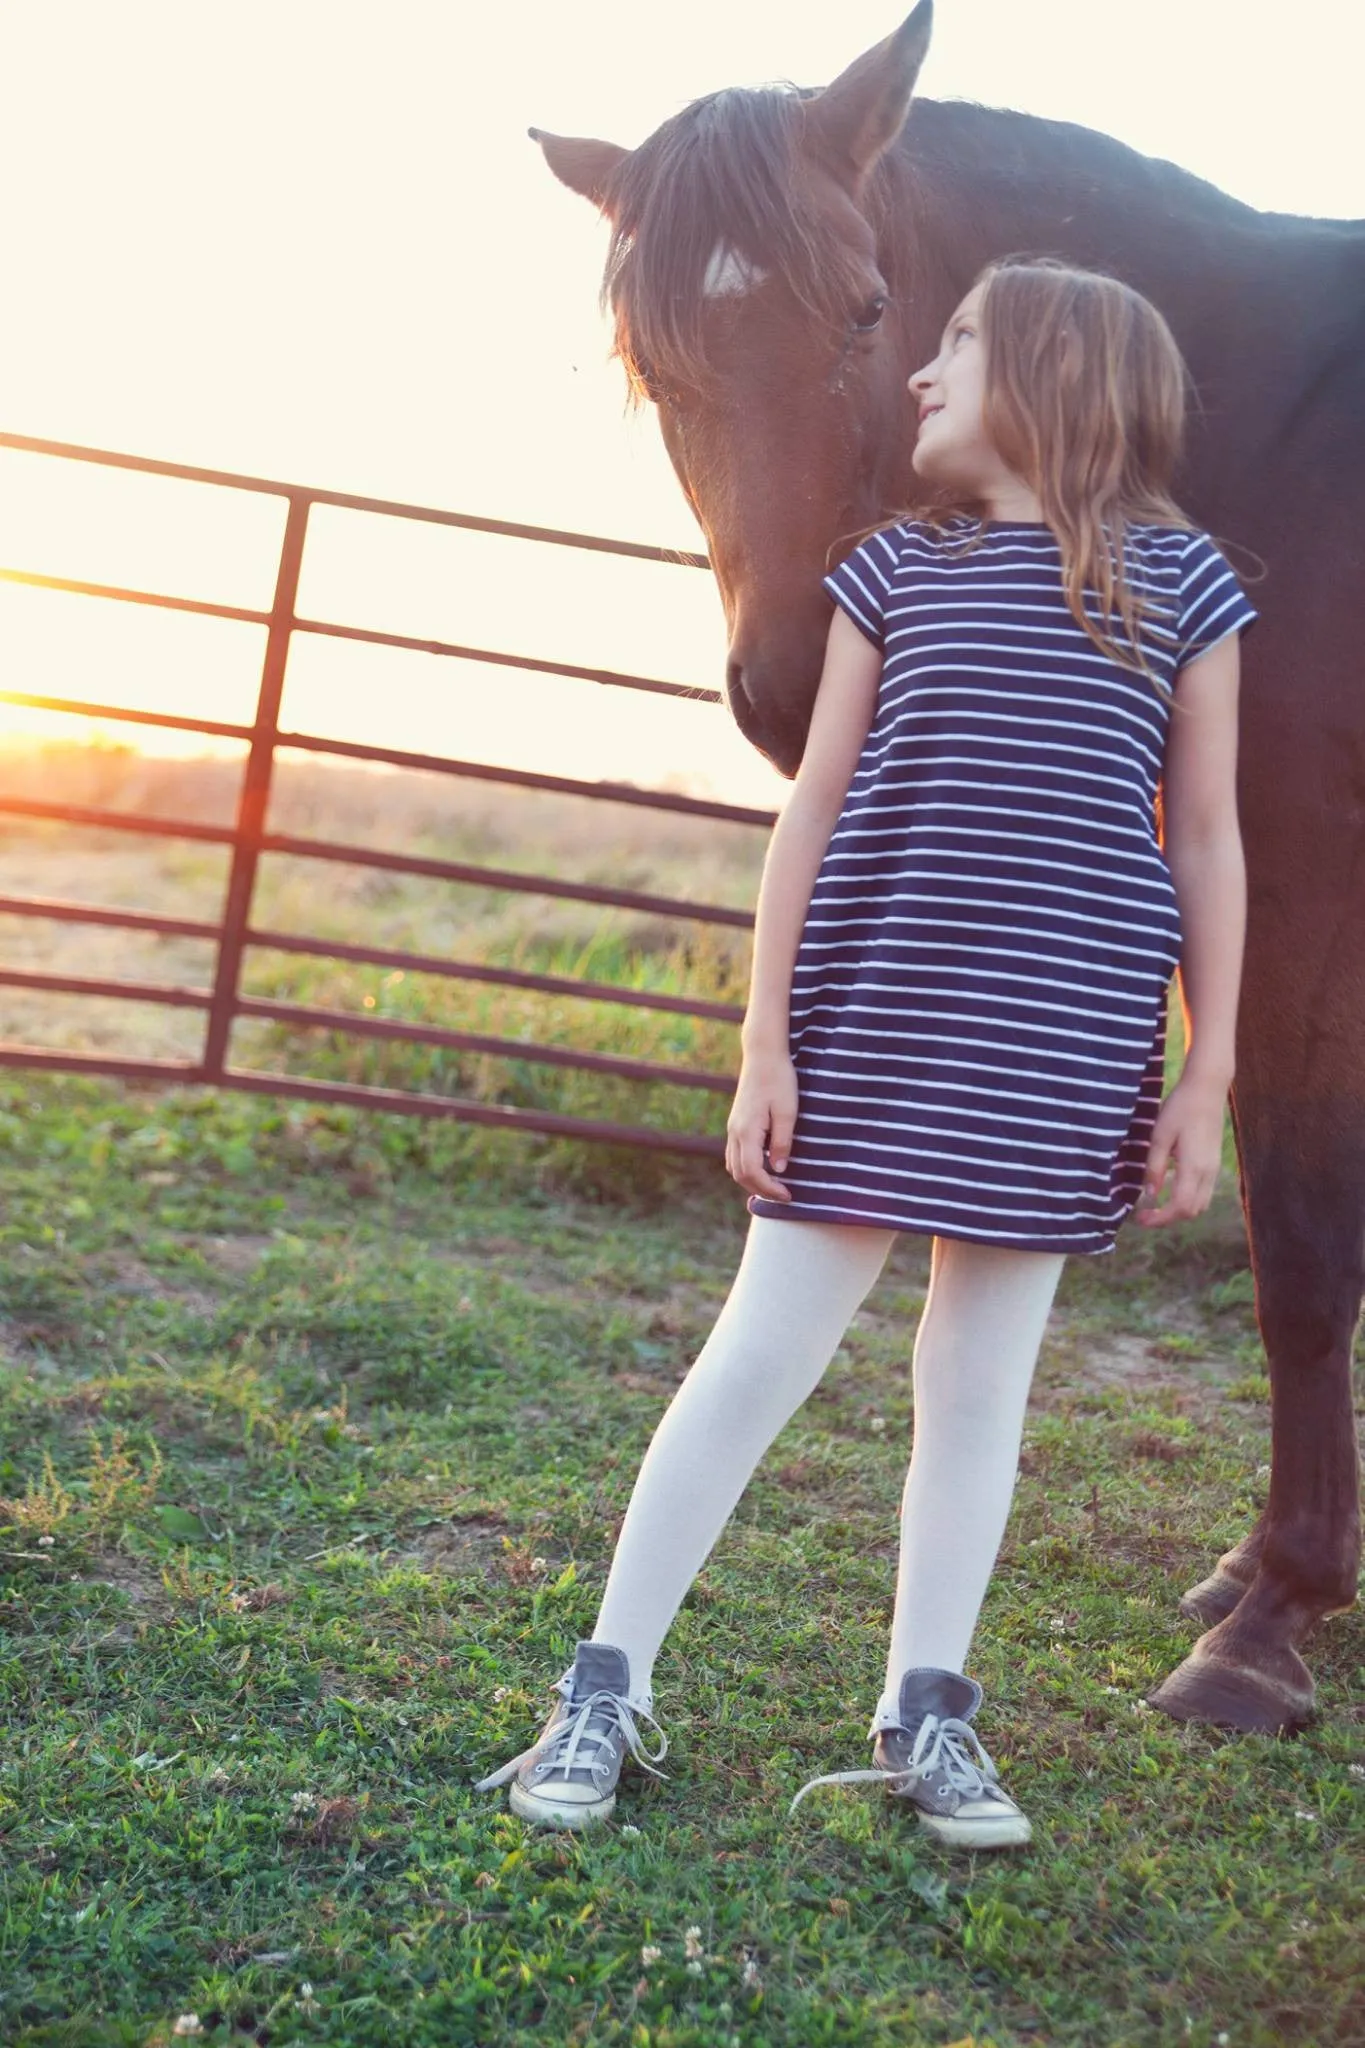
point(1188, 1131)
point(763, 1113)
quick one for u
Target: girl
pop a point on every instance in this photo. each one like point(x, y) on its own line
point(956, 1026)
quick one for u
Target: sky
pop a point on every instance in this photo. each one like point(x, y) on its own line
point(309, 239)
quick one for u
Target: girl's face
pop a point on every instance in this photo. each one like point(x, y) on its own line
point(953, 447)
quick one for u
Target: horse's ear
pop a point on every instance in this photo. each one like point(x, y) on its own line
point(861, 112)
point(583, 164)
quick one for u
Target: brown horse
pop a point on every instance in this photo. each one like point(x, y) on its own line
point(780, 261)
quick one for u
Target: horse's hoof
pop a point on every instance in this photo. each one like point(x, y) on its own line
point(1213, 1599)
point(1275, 1699)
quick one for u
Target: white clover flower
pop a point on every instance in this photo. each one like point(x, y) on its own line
point(692, 1947)
point(1356, 1770)
point(303, 1802)
point(629, 1830)
point(539, 1564)
point(877, 1424)
point(749, 1976)
point(649, 1954)
point(46, 1542)
point(188, 2023)
point(694, 1968)
point(307, 2002)
point(1114, 1689)
point(1304, 1813)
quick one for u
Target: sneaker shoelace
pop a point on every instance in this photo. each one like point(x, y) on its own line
point(947, 1745)
point(563, 1744)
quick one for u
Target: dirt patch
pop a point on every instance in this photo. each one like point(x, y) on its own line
point(461, 1548)
point(483, 1546)
point(151, 1603)
point(126, 1274)
point(1173, 1361)
point(235, 1256)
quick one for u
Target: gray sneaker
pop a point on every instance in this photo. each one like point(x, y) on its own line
point(567, 1778)
point(933, 1759)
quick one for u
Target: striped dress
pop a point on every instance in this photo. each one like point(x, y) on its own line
point(978, 1013)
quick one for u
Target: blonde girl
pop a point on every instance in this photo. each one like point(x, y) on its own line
point(956, 1027)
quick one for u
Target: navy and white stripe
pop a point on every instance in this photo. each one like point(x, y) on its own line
point(979, 998)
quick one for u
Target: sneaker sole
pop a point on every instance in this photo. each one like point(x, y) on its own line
point(550, 1813)
point(993, 1834)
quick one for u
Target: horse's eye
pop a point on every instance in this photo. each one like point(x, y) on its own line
point(870, 315)
point(648, 380)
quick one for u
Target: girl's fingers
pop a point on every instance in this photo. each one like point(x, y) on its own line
point(744, 1161)
point(1191, 1193)
point(1158, 1161)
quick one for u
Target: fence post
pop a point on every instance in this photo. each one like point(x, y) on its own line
point(255, 794)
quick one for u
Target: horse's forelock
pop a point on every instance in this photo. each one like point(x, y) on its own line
point(722, 175)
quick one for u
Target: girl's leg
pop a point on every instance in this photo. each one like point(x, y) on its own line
point(975, 1353)
point(796, 1291)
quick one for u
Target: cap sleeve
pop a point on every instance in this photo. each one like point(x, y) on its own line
point(861, 584)
point(1212, 601)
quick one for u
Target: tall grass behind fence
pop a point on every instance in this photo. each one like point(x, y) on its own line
point(623, 846)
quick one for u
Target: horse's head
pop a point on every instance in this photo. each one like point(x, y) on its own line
point(760, 304)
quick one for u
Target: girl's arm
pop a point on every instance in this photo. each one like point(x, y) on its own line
point(764, 1109)
point(1203, 846)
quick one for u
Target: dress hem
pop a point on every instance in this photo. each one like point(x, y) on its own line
point(1094, 1245)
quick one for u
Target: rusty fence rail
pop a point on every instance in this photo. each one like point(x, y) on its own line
point(234, 933)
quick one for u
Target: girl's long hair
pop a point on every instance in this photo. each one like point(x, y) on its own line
point(1085, 400)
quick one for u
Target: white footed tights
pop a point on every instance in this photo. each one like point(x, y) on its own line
point(798, 1287)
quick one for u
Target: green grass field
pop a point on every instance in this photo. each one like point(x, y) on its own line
point(316, 1433)
point(316, 1430)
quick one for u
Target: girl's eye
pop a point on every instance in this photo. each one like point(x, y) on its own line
point(870, 315)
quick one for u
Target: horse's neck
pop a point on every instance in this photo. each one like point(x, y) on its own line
point(980, 183)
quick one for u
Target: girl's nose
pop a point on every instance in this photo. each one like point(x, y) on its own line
point(919, 382)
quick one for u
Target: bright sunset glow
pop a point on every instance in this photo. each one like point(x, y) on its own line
point(311, 241)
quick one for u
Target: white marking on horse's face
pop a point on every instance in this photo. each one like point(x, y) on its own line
point(729, 273)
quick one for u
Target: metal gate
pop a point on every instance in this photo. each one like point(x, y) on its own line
point(234, 933)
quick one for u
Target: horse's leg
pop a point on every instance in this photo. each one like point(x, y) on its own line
point(1305, 1185)
point(1214, 1598)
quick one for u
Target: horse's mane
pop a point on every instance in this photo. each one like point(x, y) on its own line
point(717, 175)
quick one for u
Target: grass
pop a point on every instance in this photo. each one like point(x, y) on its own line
point(315, 1435)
